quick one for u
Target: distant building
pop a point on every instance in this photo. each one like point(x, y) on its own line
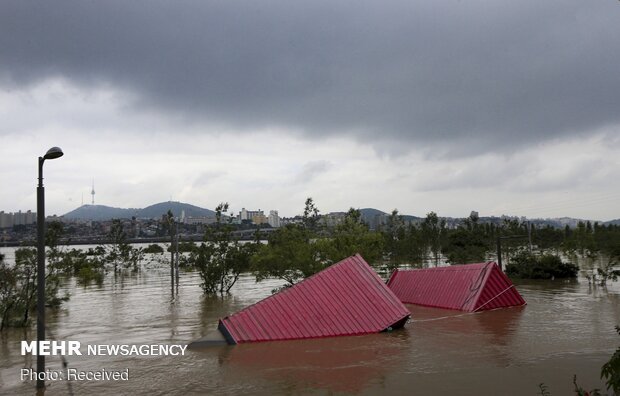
point(274, 219)
point(199, 220)
point(291, 220)
point(8, 220)
point(259, 218)
point(253, 216)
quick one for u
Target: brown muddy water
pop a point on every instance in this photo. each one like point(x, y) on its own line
point(567, 328)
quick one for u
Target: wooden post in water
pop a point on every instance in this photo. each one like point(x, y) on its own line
point(499, 252)
point(172, 235)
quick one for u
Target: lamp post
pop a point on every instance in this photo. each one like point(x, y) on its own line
point(53, 153)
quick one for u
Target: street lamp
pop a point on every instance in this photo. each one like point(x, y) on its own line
point(53, 153)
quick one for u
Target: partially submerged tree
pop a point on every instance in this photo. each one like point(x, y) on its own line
point(297, 251)
point(469, 243)
point(292, 253)
point(611, 370)
point(525, 265)
point(434, 231)
point(403, 244)
point(221, 258)
point(119, 252)
point(18, 286)
point(350, 237)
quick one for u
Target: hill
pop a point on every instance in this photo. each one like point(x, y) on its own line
point(375, 217)
point(102, 212)
point(155, 211)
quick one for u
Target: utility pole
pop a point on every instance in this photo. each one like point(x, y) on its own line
point(176, 261)
point(499, 247)
point(529, 234)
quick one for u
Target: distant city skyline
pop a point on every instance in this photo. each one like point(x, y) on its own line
point(506, 108)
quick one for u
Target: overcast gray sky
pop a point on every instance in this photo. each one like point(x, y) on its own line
point(504, 107)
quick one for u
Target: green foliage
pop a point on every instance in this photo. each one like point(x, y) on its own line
point(290, 255)
point(153, 249)
point(18, 288)
point(402, 244)
point(8, 292)
point(466, 246)
point(84, 266)
point(611, 370)
point(311, 216)
point(297, 251)
point(221, 258)
point(294, 251)
point(528, 266)
point(119, 252)
point(350, 237)
point(607, 272)
point(434, 232)
point(184, 247)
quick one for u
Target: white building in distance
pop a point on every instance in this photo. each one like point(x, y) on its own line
point(274, 219)
point(8, 220)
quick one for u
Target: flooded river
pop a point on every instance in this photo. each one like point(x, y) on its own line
point(567, 328)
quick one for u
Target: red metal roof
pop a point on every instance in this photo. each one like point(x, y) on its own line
point(470, 287)
point(347, 298)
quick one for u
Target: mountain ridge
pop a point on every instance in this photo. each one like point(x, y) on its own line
point(103, 212)
point(369, 215)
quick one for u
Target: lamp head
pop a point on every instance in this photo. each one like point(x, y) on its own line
point(53, 153)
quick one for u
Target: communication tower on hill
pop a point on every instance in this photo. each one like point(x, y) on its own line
point(92, 192)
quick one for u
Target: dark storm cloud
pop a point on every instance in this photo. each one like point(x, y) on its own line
point(485, 75)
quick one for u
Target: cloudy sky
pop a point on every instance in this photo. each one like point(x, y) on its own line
point(504, 107)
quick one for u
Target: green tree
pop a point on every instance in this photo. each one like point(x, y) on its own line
point(434, 232)
point(293, 252)
point(8, 292)
point(221, 258)
point(350, 237)
point(611, 370)
point(311, 215)
point(394, 235)
point(289, 255)
point(18, 288)
point(466, 246)
point(119, 252)
point(529, 266)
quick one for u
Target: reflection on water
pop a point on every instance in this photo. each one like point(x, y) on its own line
point(347, 364)
point(567, 328)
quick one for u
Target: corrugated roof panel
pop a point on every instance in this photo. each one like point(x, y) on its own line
point(347, 298)
point(498, 292)
point(470, 287)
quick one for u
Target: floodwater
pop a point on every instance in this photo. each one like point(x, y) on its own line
point(567, 328)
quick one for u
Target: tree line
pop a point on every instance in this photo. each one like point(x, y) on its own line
point(301, 249)
point(298, 250)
